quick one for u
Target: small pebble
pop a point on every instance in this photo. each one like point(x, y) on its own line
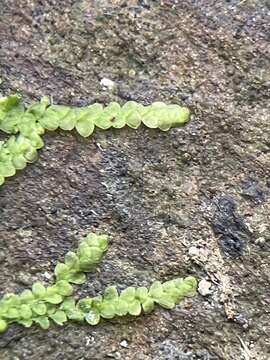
point(204, 287)
point(260, 241)
point(124, 344)
point(107, 83)
point(193, 251)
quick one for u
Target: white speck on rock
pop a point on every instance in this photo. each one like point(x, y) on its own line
point(124, 343)
point(47, 275)
point(107, 83)
point(193, 251)
point(204, 287)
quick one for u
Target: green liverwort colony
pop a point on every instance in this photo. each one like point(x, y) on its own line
point(55, 302)
point(29, 124)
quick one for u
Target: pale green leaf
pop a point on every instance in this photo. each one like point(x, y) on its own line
point(68, 305)
point(142, 293)
point(25, 312)
point(78, 278)
point(64, 288)
point(26, 323)
point(19, 162)
point(43, 321)
point(59, 317)
point(134, 308)
point(92, 317)
point(148, 305)
point(120, 307)
point(38, 290)
point(85, 127)
point(111, 293)
point(128, 294)
point(39, 308)
point(165, 301)
point(3, 325)
point(54, 299)
point(107, 310)
point(156, 289)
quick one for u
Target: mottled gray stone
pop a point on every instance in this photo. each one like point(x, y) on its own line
point(155, 193)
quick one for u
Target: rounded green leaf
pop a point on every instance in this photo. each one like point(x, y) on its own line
point(43, 322)
point(51, 308)
point(72, 260)
point(156, 289)
point(8, 102)
point(84, 249)
point(38, 290)
point(103, 242)
point(133, 120)
point(54, 298)
point(64, 288)
point(86, 263)
point(75, 315)
point(94, 111)
point(92, 317)
point(59, 317)
point(164, 120)
point(36, 140)
point(7, 169)
point(68, 305)
point(61, 271)
point(38, 109)
point(111, 293)
point(85, 304)
point(94, 240)
point(107, 310)
point(178, 115)
point(141, 293)
point(26, 323)
point(149, 117)
point(19, 162)
point(171, 289)
point(148, 305)
point(165, 301)
point(187, 287)
point(108, 117)
point(39, 308)
point(103, 122)
point(66, 116)
point(134, 308)
point(78, 278)
point(25, 312)
point(31, 154)
point(120, 307)
point(97, 301)
point(3, 325)
point(96, 254)
point(191, 281)
point(12, 313)
point(131, 113)
point(27, 296)
point(128, 294)
point(50, 119)
point(85, 127)
point(91, 239)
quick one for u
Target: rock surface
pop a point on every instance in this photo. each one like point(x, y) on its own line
point(193, 200)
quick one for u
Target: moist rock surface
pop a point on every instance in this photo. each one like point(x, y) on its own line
point(191, 201)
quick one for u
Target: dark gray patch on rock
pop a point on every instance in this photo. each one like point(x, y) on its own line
point(229, 226)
